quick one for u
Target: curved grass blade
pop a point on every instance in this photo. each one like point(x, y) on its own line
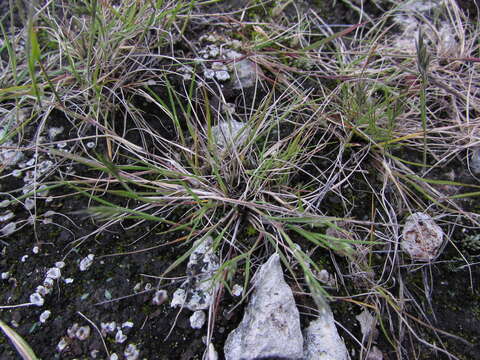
point(21, 345)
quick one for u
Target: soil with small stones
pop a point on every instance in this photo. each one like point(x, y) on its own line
point(120, 285)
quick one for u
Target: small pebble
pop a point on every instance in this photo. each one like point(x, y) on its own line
point(37, 299)
point(48, 282)
point(120, 337)
point(82, 333)
point(62, 344)
point(131, 352)
point(54, 273)
point(197, 320)
point(237, 290)
point(86, 262)
point(44, 316)
point(159, 297)
point(127, 324)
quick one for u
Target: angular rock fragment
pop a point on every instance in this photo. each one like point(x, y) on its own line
point(230, 133)
point(244, 71)
point(421, 237)
point(271, 324)
point(412, 16)
point(196, 293)
point(197, 320)
point(322, 341)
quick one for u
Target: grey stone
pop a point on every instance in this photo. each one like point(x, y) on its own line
point(322, 341)
point(196, 293)
point(271, 323)
point(422, 238)
point(244, 74)
point(230, 133)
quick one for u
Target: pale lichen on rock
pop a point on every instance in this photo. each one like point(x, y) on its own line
point(422, 238)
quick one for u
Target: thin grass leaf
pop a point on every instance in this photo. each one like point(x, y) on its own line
point(23, 349)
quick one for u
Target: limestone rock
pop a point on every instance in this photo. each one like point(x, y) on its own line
point(196, 293)
point(271, 324)
point(322, 341)
point(230, 133)
point(421, 237)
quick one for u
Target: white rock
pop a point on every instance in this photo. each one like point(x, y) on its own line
point(322, 341)
point(68, 280)
point(367, 324)
point(86, 262)
point(62, 344)
point(127, 324)
point(5, 275)
point(54, 273)
point(48, 282)
point(42, 290)
point(44, 316)
point(209, 74)
point(179, 297)
point(441, 36)
point(196, 293)
point(218, 66)
point(120, 337)
point(53, 132)
point(60, 264)
point(131, 352)
point(230, 133)
point(325, 277)
point(271, 323)
point(159, 297)
point(82, 333)
point(108, 327)
point(113, 356)
point(211, 353)
point(10, 157)
point(24, 258)
point(72, 330)
point(421, 237)
point(35, 250)
point(374, 354)
point(237, 290)
point(37, 299)
point(29, 204)
point(197, 320)
point(222, 75)
point(244, 74)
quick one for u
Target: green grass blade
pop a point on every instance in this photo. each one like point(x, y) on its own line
point(24, 350)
